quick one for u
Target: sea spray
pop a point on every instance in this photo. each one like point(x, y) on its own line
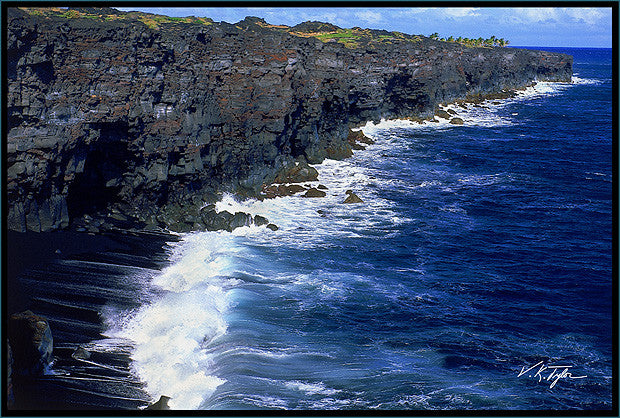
point(172, 334)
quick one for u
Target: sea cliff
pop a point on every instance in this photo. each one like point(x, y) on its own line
point(142, 121)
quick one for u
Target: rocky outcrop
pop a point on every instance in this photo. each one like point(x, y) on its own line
point(314, 192)
point(31, 344)
point(147, 116)
point(297, 173)
point(352, 198)
point(161, 404)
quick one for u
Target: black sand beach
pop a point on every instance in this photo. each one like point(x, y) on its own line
point(69, 278)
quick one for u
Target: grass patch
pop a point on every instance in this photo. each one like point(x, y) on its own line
point(150, 23)
point(71, 14)
point(357, 37)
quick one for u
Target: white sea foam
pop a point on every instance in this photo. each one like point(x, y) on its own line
point(541, 88)
point(311, 388)
point(586, 81)
point(266, 401)
point(170, 353)
point(330, 403)
point(171, 336)
point(175, 336)
point(484, 180)
point(485, 114)
point(307, 222)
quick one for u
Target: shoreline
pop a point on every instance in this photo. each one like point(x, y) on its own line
point(45, 274)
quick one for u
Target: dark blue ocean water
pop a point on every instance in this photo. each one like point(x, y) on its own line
point(481, 250)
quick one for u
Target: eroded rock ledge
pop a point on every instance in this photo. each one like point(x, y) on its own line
point(121, 119)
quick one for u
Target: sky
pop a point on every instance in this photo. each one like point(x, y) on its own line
point(522, 26)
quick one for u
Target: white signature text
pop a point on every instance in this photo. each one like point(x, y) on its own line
point(549, 373)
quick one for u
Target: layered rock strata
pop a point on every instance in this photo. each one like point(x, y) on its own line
point(114, 116)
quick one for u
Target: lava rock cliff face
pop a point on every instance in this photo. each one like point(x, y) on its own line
point(117, 117)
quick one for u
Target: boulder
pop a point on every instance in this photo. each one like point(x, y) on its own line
point(352, 198)
point(358, 136)
point(181, 227)
point(456, 121)
point(31, 342)
point(442, 114)
point(313, 192)
point(240, 219)
point(299, 173)
point(277, 190)
point(80, 354)
point(260, 220)
point(214, 221)
point(161, 404)
point(272, 227)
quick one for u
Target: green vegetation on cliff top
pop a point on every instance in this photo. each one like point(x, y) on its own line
point(351, 38)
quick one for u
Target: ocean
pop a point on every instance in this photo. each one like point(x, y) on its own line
point(477, 274)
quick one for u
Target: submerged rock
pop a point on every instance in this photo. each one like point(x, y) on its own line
point(457, 121)
point(279, 190)
point(273, 227)
point(80, 354)
point(291, 189)
point(359, 136)
point(313, 192)
point(442, 114)
point(352, 198)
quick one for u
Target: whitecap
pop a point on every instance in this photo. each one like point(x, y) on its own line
point(311, 389)
point(170, 337)
point(586, 81)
